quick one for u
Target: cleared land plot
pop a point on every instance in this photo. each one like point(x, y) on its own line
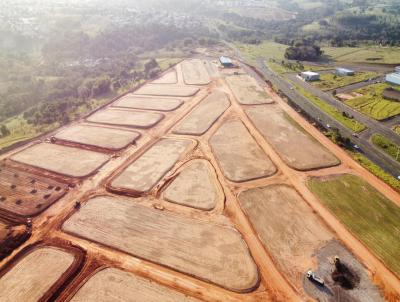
point(247, 90)
point(148, 103)
point(202, 249)
point(146, 171)
point(27, 194)
point(204, 115)
point(196, 186)
point(167, 90)
point(135, 119)
point(373, 218)
point(34, 275)
point(373, 104)
point(195, 72)
point(383, 55)
point(112, 284)
point(63, 160)
point(107, 138)
point(292, 238)
point(168, 78)
point(11, 236)
point(285, 135)
point(239, 156)
point(331, 81)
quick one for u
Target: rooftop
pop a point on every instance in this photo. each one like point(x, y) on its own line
point(310, 73)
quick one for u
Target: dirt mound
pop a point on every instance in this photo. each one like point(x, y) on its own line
point(345, 276)
point(11, 237)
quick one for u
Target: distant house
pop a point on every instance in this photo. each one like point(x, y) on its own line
point(310, 76)
point(344, 72)
point(397, 69)
point(226, 62)
point(393, 78)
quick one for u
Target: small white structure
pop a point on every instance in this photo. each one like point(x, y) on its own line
point(344, 72)
point(393, 78)
point(310, 76)
point(397, 69)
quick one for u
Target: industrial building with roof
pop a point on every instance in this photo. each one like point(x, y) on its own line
point(393, 78)
point(310, 76)
point(226, 62)
point(344, 72)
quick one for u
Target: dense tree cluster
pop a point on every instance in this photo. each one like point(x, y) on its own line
point(303, 52)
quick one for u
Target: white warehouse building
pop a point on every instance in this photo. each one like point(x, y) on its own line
point(393, 78)
point(310, 76)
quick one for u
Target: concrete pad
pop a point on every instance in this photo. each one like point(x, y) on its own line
point(195, 72)
point(63, 160)
point(247, 90)
point(285, 135)
point(112, 284)
point(107, 138)
point(201, 249)
point(287, 227)
point(167, 90)
point(238, 154)
point(168, 78)
point(146, 171)
point(196, 186)
point(26, 194)
point(34, 275)
point(204, 115)
point(148, 103)
point(135, 119)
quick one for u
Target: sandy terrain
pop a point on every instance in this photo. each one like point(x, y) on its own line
point(168, 78)
point(146, 171)
point(239, 156)
point(34, 275)
point(102, 137)
point(204, 115)
point(196, 186)
point(26, 194)
point(202, 249)
point(112, 284)
point(63, 160)
point(135, 119)
point(148, 103)
point(286, 136)
point(195, 72)
point(247, 90)
point(167, 90)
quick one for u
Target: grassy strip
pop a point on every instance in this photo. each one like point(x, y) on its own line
point(368, 214)
point(373, 104)
point(280, 68)
point(331, 81)
point(350, 123)
point(397, 129)
point(386, 146)
point(270, 50)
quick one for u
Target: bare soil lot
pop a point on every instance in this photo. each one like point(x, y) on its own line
point(239, 156)
point(204, 115)
point(11, 236)
point(196, 186)
point(148, 103)
point(296, 147)
point(34, 274)
point(247, 90)
point(202, 249)
point(63, 160)
point(102, 137)
point(112, 284)
point(27, 194)
point(167, 90)
point(146, 171)
point(135, 119)
point(195, 72)
point(168, 78)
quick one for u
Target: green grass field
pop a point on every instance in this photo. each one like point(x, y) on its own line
point(373, 104)
point(350, 123)
point(386, 146)
point(370, 216)
point(267, 49)
point(330, 81)
point(383, 55)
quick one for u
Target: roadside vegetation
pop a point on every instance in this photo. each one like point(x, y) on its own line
point(345, 120)
point(397, 129)
point(331, 81)
point(368, 214)
point(386, 146)
point(373, 104)
point(288, 66)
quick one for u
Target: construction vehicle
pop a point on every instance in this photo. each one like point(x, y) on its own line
point(313, 277)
